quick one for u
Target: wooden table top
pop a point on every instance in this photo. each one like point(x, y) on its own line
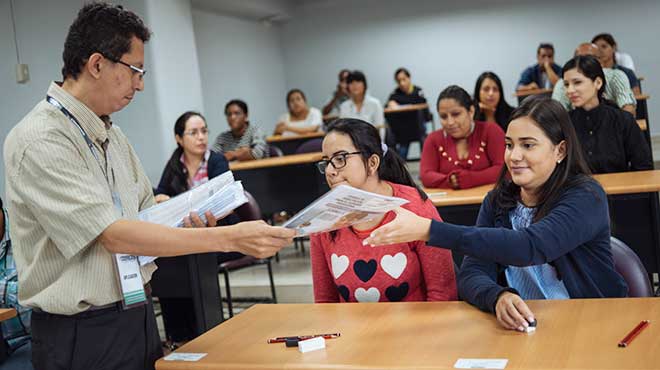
point(642, 124)
point(571, 334)
point(406, 108)
point(522, 93)
point(7, 313)
point(402, 108)
point(310, 135)
point(286, 160)
point(613, 183)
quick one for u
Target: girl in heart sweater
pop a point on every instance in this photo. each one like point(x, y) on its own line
point(345, 270)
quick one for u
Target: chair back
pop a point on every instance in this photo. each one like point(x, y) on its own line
point(310, 146)
point(274, 151)
point(249, 211)
point(628, 264)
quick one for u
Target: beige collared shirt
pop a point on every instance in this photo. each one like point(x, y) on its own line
point(60, 202)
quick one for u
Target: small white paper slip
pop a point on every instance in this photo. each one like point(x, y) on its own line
point(481, 363)
point(312, 344)
point(178, 356)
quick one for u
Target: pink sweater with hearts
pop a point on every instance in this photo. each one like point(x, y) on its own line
point(344, 270)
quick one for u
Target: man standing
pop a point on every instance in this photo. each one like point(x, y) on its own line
point(542, 75)
point(75, 188)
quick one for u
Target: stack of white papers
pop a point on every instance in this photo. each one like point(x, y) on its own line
point(341, 207)
point(221, 195)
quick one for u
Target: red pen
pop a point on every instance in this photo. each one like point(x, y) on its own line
point(625, 342)
point(302, 337)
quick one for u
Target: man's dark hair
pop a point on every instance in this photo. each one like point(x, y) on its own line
point(545, 45)
point(100, 28)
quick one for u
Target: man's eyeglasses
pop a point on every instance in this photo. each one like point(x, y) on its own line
point(338, 161)
point(195, 133)
point(136, 71)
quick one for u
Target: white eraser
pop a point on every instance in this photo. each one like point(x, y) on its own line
point(312, 344)
point(530, 329)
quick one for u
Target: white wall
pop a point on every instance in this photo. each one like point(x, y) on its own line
point(176, 79)
point(172, 82)
point(240, 59)
point(444, 42)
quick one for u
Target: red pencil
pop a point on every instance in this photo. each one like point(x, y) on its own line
point(625, 342)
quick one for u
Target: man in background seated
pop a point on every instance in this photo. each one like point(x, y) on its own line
point(244, 141)
point(542, 75)
point(617, 87)
point(15, 331)
point(339, 96)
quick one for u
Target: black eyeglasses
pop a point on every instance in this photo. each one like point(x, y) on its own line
point(136, 71)
point(338, 161)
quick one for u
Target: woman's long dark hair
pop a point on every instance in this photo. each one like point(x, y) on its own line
point(590, 67)
point(502, 110)
point(366, 139)
point(551, 117)
point(180, 178)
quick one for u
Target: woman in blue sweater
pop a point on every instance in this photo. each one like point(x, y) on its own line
point(542, 233)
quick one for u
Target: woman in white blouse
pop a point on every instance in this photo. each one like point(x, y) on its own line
point(301, 118)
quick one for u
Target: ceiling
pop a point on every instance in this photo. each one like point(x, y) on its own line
point(259, 10)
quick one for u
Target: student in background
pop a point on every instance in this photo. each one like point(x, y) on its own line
point(542, 233)
point(607, 57)
point(362, 105)
point(610, 138)
point(301, 119)
point(192, 164)
point(15, 331)
point(343, 269)
point(339, 96)
point(406, 94)
point(617, 87)
point(244, 141)
point(542, 75)
point(491, 105)
point(463, 153)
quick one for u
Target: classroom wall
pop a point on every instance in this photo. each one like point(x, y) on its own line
point(240, 59)
point(444, 42)
point(172, 82)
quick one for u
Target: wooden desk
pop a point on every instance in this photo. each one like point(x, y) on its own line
point(276, 161)
point(572, 334)
point(281, 138)
point(290, 143)
point(634, 210)
point(613, 183)
point(7, 313)
point(526, 93)
point(406, 108)
point(402, 108)
point(407, 124)
point(642, 124)
point(287, 183)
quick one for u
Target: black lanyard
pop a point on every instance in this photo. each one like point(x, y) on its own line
point(115, 197)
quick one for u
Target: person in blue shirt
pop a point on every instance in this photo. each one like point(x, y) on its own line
point(542, 75)
point(542, 233)
point(15, 331)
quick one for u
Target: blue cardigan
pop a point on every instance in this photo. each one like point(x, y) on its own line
point(574, 238)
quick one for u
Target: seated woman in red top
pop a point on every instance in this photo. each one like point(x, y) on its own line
point(464, 153)
point(343, 269)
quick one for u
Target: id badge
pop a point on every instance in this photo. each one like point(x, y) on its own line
point(130, 280)
point(128, 271)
